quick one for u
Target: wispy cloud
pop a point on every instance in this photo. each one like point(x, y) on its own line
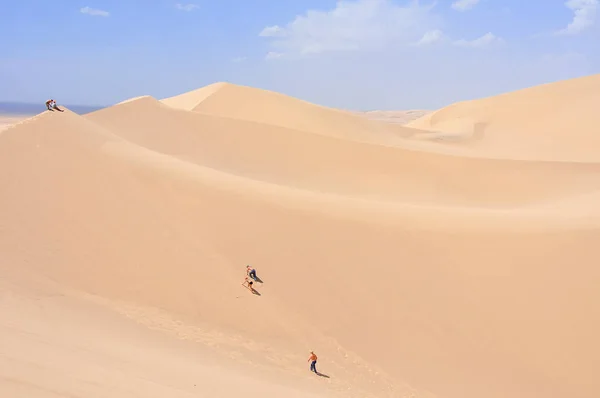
point(464, 5)
point(585, 14)
point(272, 31)
point(238, 60)
point(186, 7)
point(353, 26)
point(94, 12)
point(273, 55)
point(438, 37)
point(431, 37)
point(486, 40)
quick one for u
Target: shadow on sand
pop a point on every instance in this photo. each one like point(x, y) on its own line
point(323, 375)
point(253, 290)
point(257, 279)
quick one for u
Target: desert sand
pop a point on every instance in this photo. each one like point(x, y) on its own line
point(556, 121)
point(7, 120)
point(452, 257)
point(398, 117)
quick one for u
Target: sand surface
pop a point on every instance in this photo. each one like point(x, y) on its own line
point(398, 117)
point(556, 121)
point(413, 264)
point(8, 120)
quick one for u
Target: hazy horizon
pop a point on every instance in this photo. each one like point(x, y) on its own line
point(31, 108)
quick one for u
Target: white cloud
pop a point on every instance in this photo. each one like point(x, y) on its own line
point(272, 31)
point(584, 16)
point(186, 7)
point(238, 60)
point(431, 37)
point(437, 36)
point(486, 40)
point(94, 12)
point(464, 5)
point(353, 25)
point(273, 55)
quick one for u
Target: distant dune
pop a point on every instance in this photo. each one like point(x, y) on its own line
point(555, 121)
point(400, 117)
point(267, 107)
point(439, 259)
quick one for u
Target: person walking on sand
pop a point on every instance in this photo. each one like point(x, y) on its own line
point(249, 283)
point(313, 364)
point(251, 272)
point(48, 104)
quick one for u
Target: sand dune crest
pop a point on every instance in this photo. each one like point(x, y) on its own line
point(267, 107)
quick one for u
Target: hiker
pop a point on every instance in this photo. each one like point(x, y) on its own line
point(313, 364)
point(251, 272)
point(48, 104)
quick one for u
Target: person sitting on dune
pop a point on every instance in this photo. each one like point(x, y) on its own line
point(51, 105)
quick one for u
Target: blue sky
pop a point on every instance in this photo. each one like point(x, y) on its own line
point(354, 54)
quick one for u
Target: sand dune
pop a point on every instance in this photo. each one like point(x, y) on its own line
point(293, 158)
point(412, 270)
point(554, 121)
point(267, 107)
point(399, 117)
point(8, 120)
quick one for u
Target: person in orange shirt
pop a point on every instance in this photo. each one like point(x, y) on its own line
point(313, 364)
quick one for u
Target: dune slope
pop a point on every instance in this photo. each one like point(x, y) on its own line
point(445, 277)
point(267, 107)
point(551, 121)
point(291, 157)
point(58, 344)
